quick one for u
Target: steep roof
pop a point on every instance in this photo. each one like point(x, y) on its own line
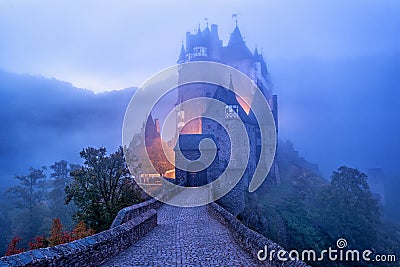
point(229, 98)
point(236, 37)
point(237, 48)
point(151, 133)
point(182, 55)
point(258, 57)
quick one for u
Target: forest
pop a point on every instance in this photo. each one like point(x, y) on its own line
point(306, 212)
point(63, 202)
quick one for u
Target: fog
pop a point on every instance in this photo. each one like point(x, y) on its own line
point(44, 121)
point(104, 46)
point(334, 66)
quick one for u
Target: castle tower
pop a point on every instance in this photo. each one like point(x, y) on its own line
point(206, 46)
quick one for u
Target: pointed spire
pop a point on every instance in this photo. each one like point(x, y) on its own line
point(206, 34)
point(206, 31)
point(230, 82)
point(236, 37)
point(230, 96)
point(182, 55)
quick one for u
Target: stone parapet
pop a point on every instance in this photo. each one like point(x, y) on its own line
point(250, 240)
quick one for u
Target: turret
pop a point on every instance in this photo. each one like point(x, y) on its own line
point(236, 37)
point(237, 48)
point(182, 55)
point(215, 46)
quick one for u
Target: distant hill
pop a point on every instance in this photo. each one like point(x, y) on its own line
point(46, 120)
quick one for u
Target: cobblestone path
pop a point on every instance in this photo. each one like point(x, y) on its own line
point(185, 237)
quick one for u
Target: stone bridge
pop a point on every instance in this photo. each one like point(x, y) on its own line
point(156, 234)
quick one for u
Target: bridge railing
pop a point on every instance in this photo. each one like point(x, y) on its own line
point(131, 212)
point(131, 224)
point(250, 240)
point(89, 251)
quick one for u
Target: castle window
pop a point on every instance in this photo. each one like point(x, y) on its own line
point(200, 51)
point(231, 111)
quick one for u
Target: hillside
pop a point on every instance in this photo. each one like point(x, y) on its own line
point(46, 120)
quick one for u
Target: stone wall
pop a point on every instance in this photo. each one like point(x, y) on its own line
point(133, 211)
point(250, 240)
point(129, 213)
point(130, 225)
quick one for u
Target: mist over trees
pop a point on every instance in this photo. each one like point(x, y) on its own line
point(347, 208)
point(72, 202)
point(47, 119)
point(307, 212)
point(326, 108)
point(28, 202)
point(34, 202)
point(102, 187)
point(60, 179)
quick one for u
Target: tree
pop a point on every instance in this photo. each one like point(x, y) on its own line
point(13, 247)
point(60, 179)
point(58, 235)
point(28, 198)
point(81, 231)
point(101, 187)
point(348, 210)
point(39, 242)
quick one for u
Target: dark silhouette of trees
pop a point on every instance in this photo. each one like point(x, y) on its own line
point(92, 194)
point(28, 199)
point(348, 210)
point(61, 178)
point(101, 187)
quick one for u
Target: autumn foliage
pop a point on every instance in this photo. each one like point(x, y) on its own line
point(13, 247)
point(40, 242)
point(81, 231)
point(57, 236)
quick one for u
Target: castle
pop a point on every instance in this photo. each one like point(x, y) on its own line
point(205, 45)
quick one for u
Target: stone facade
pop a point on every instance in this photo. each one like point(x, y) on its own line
point(189, 148)
point(205, 45)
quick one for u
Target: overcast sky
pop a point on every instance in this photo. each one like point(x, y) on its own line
point(105, 45)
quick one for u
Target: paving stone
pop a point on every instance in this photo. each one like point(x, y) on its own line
point(185, 237)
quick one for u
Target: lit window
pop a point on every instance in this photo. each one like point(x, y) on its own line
point(200, 51)
point(231, 111)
